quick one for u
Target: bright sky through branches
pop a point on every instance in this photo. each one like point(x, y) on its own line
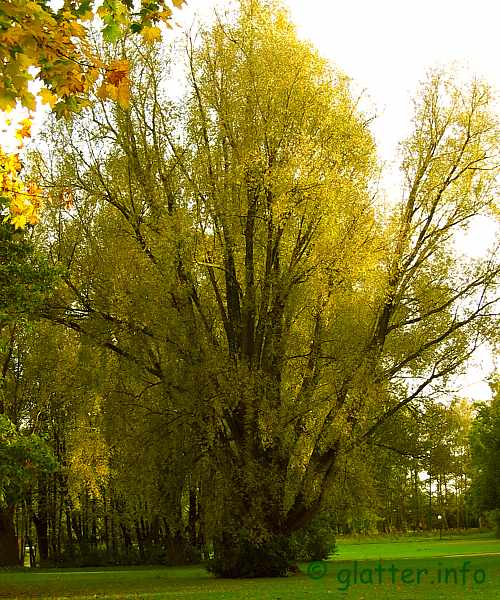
point(387, 46)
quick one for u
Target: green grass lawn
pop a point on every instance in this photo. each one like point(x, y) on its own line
point(430, 569)
point(416, 547)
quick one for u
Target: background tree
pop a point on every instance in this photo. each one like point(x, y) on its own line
point(485, 452)
point(22, 456)
point(25, 279)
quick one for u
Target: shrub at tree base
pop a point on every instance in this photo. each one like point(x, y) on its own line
point(485, 454)
point(493, 519)
point(170, 551)
point(236, 555)
point(316, 541)
point(100, 557)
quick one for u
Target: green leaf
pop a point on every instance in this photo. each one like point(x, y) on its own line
point(84, 8)
point(111, 32)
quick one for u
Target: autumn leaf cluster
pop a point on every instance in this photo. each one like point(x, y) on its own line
point(38, 42)
point(20, 201)
point(51, 46)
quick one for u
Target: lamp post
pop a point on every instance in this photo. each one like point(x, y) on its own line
point(440, 519)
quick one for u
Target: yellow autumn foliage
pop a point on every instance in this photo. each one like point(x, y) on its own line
point(55, 44)
point(50, 46)
point(88, 460)
point(22, 201)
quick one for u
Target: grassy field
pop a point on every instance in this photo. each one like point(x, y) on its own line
point(431, 569)
point(415, 547)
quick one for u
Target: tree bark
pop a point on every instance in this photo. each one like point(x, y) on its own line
point(9, 550)
point(42, 534)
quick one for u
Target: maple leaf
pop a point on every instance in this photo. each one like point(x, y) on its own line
point(117, 71)
point(107, 92)
point(111, 32)
point(17, 206)
point(151, 34)
point(32, 217)
point(19, 221)
point(23, 61)
point(35, 191)
point(29, 101)
point(25, 130)
point(12, 164)
point(48, 97)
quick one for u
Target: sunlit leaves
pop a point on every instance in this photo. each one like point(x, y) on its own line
point(48, 97)
point(116, 83)
point(151, 34)
point(118, 70)
point(24, 130)
point(37, 41)
point(88, 453)
point(20, 201)
point(36, 38)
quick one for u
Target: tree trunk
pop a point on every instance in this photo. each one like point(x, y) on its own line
point(9, 551)
point(42, 534)
point(497, 523)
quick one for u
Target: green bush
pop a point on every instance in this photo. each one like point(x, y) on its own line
point(92, 556)
point(316, 541)
point(236, 556)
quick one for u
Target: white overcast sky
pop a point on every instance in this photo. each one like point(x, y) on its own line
point(387, 46)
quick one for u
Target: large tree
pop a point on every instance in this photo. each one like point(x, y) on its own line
point(485, 453)
point(236, 257)
point(22, 457)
